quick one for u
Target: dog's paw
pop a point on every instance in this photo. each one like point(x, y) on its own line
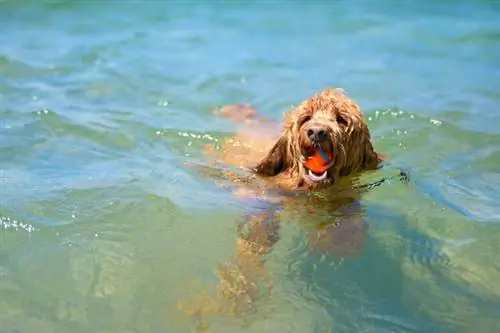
point(237, 112)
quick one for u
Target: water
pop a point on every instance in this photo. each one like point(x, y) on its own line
point(104, 230)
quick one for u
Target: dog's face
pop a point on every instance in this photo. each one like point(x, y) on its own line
point(328, 122)
point(319, 129)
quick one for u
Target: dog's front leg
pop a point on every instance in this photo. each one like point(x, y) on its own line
point(344, 234)
point(241, 279)
point(259, 232)
point(238, 113)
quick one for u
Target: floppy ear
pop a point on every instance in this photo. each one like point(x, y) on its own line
point(276, 160)
point(371, 159)
point(360, 152)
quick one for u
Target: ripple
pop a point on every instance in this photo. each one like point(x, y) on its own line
point(51, 125)
point(100, 218)
point(476, 196)
point(7, 222)
point(479, 36)
point(426, 253)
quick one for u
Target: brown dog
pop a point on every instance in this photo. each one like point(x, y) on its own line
point(270, 165)
point(328, 120)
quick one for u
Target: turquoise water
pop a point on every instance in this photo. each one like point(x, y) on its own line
point(102, 229)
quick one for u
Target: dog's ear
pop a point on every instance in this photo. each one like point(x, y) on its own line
point(360, 154)
point(276, 160)
point(371, 159)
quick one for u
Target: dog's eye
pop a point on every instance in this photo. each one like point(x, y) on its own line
point(341, 121)
point(304, 120)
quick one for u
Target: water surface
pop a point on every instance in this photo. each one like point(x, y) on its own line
point(102, 228)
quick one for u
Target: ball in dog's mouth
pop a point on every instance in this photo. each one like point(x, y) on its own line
point(317, 165)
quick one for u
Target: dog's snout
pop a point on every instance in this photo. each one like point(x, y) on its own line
point(317, 133)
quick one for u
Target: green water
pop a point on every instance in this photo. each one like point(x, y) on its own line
point(102, 228)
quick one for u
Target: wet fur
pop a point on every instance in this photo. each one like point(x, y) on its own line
point(269, 158)
point(348, 132)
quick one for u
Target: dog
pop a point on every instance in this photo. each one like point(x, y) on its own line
point(267, 162)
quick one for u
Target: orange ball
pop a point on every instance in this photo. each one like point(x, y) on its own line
point(317, 164)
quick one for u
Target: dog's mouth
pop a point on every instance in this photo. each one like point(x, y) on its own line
point(317, 163)
point(313, 176)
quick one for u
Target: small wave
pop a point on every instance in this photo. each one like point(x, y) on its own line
point(476, 196)
point(53, 124)
point(10, 223)
point(477, 37)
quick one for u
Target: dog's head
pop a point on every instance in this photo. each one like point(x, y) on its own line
point(328, 122)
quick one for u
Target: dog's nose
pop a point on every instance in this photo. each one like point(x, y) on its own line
point(317, 133)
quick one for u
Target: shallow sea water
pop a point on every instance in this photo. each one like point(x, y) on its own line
point(103, 229)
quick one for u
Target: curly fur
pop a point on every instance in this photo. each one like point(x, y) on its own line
point(349, 138)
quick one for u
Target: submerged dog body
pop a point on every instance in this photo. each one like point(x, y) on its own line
point(275, 157)
point(327, 122)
